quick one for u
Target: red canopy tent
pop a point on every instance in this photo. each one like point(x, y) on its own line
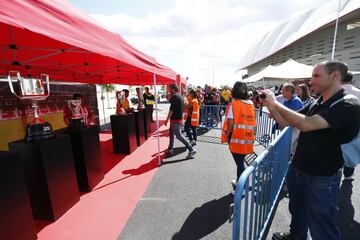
point(53, 37)
point(181, 82)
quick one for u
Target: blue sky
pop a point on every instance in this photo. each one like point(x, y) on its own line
point(195, 37)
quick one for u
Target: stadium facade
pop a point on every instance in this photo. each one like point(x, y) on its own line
point(308, 39)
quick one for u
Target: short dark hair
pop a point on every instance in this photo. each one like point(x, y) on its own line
point(146, 88)
point(240, 91)
point(76, 96)
point(174, 87)
point(334, 65)
point(194, 94)
point(289, 86)
point(125, 91)
point(348, 78)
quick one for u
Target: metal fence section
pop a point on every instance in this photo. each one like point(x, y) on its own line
point(212, 116)
point(259, 187)
point(266, 128)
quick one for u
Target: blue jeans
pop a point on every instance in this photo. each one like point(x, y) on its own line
point(348, 171)
point(190, 131)
point(313, 204)
point(175, 129)
point(239, 160)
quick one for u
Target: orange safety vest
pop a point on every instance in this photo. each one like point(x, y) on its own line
point(195, 113)
point(243, 133)
point(186, 111)
point(224, 128)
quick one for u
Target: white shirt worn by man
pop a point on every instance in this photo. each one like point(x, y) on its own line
point(280, 98)
point(351, 90)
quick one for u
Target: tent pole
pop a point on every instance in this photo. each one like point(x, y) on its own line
point(157, 121)
point(335, 32)
point(103, 104)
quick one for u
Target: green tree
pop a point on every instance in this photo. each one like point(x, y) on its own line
point(108, 88)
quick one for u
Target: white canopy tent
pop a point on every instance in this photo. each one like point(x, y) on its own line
point(287, 70)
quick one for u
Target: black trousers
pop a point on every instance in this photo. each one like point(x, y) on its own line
point(151, 107)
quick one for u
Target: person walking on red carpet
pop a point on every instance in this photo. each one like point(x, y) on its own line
point(175, 116)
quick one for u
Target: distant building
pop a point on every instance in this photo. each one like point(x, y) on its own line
point(308, 38)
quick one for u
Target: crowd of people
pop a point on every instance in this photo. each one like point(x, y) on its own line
point(326, 118)
point(326, 113)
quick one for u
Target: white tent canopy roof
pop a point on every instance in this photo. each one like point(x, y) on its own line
point(295, 29)
point(287, 70)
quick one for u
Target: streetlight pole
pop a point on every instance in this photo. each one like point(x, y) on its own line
point(335, 32)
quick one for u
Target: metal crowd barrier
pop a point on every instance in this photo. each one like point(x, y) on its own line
point(212, 116)
point(266, 128)
point(259, 187)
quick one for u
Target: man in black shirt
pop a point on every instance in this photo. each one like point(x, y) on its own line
point(175, 115)
point(314, 175)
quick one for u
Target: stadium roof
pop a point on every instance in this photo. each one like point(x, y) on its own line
point(295, 29)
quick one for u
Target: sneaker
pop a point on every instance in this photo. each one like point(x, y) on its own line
point(282, 236)
point(349, 178)
point(191, 153)
point(193, 143)
point(169, 151)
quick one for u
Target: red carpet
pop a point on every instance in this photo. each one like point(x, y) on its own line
point(102, 213)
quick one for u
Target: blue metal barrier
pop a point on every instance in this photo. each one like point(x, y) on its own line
point(212, 116)
point(266, 176)
point(265, 131)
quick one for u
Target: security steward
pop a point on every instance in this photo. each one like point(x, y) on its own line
point(239, 127)
point(149, 101)
point(192, 117)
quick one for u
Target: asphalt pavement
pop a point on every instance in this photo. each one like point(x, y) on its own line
point(189, 198)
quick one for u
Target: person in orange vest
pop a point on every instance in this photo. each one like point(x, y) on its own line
point(186, 109)
point(239, 127)
point(192, 120)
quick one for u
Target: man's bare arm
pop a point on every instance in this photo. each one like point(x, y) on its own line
point(302, 122)
point(168, 117)
point(278, 117)
point(298, 120)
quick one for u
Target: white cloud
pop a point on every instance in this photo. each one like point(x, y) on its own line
point(185, 38)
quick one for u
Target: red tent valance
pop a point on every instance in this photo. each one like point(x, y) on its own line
point(180, 80)
point(53, 37)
